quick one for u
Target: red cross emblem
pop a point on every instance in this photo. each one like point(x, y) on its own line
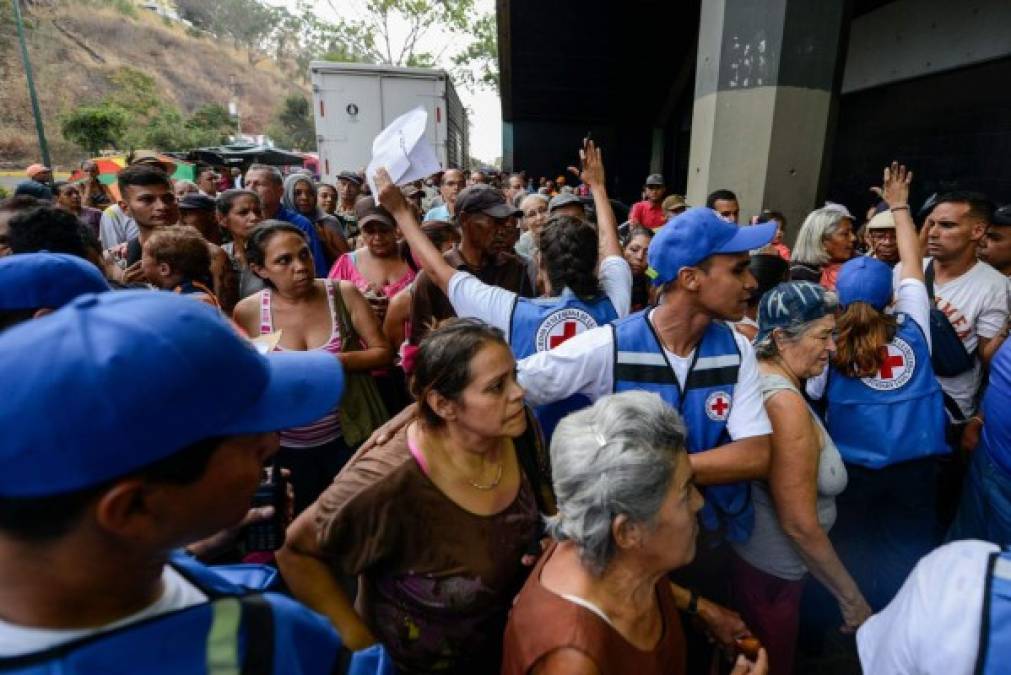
point(898, 363)
point(718, 405)
point(890, 361)
point(568, 331)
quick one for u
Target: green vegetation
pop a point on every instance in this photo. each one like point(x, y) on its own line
point(294, 127)
point(133, 116)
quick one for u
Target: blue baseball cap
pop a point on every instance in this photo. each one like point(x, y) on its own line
point(864, 279)
point(51, 280)
point(114, 382)
point(791, 303)
point(694, 235)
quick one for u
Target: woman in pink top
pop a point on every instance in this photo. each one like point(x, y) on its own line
point(377, 269)
point(304, 310)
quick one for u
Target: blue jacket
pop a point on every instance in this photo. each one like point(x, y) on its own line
point(995, 628)
point(238, 630)
point(315, 245)
point(894, 417)
point(539, 324)
point(704, 404)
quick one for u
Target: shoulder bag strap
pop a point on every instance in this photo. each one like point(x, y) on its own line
point(349, 339)
point(928, 279)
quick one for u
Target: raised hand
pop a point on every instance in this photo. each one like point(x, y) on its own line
point(593, 164)
point(389, 197)
point(894, 188)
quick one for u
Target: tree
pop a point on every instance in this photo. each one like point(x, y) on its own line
point(94, 127)
point(293, 126)
point(477, 65)
point(210, 125)
point(372, 34)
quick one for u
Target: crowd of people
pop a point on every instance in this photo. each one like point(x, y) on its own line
point(481, 424)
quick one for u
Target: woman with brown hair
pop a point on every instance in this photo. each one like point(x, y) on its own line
point(238, 212)
point(436, 521)
point(309, 314)
point(885, 411)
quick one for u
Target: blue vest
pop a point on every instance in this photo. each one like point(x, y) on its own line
point(704, 404)
point(239, 630)
point(540, 324)
point(995, 628)
point(895, 416)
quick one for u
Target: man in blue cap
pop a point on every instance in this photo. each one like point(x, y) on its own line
point(684, 351)
point(96, 496)
point(35, 284)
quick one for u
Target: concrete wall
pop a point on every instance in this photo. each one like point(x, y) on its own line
point(913, 38)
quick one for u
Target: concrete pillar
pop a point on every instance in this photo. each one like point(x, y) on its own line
point(765, 76)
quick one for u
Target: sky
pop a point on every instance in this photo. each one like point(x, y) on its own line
point(485, 107)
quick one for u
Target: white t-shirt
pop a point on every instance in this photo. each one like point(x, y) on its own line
point(471, 297)
point(932, 626)
point(910, 299)
point(585, 365)
point(178, 594)
point(976, 304)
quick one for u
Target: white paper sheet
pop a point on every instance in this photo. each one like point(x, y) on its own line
point(403, 149)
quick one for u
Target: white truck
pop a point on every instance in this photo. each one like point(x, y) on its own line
point(353, 102)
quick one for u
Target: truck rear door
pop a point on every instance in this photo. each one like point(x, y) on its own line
point(348, 116)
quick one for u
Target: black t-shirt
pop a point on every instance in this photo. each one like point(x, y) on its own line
point(134, 251)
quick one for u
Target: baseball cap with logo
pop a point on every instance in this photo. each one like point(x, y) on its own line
point(137, 377)
point(481, 198)
point(691, 237)
point(46, 280)
point(792, 303)
point(864, 279)
point(654, 180)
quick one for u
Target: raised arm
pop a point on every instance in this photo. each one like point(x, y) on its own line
point(895, 192)
point(424, 251)
point(593, 175)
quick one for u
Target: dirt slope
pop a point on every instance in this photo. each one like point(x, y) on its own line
point(76, 46)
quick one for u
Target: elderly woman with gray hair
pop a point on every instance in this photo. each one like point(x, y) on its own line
point(795, 508)
point(824, 243)
point(598, 600)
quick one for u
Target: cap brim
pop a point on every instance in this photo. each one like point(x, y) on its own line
point(749, 237)
point(303, 387)
point(501, 211)
point(376, 218)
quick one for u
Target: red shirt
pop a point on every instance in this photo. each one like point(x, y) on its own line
point(648, 214)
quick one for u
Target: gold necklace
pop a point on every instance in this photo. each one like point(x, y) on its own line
point(493, 484)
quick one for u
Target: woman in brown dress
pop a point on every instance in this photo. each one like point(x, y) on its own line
point(435, 522)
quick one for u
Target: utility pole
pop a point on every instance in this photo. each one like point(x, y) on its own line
point(39, 129)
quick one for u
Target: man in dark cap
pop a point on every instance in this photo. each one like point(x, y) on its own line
point(349, 186)
point(567, 204)
point(995, 247)
point(649, 212)
point(481, 212)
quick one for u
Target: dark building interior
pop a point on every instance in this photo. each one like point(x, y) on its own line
point(625, 73)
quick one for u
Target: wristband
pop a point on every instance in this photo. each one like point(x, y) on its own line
point(900, 207)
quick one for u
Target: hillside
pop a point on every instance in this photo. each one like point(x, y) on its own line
point(76, 46)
